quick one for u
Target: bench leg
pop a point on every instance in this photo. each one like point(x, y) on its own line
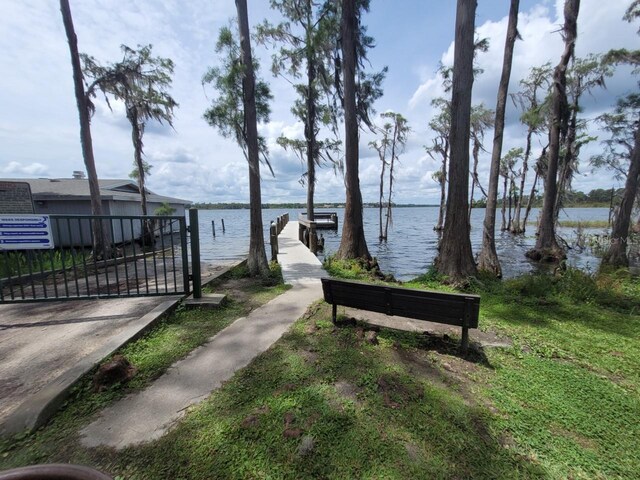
point(465, 340)
point(334, 313)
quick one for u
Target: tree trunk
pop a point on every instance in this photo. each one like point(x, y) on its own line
point(100, 239)
point(310, 128)
point(512, 199)
point(353, 243)
point(488, 258)
point(257, 261)
point(391, 164)
point(616, 256)
point(503, 227)
point(382, 236)
point(455, 258)
point(443, 189)
point(517, 228)
point(529, 203)
point(475, 181)
point(547, 248)
point(568, 160)
point(137, 130)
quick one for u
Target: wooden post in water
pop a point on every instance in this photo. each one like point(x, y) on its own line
point(213, 227)
point(222, 225)
point(313, 238)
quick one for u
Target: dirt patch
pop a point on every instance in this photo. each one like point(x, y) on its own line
point(117, 370)
point(347, 390)
point(289, 430)
point(396, 392)
point(311, 328)
point(254, 418)
point(444, 371)
point(250, 421)
point(581, 440)
point(238, 289)
point(309, 356)
point(287, 387)
point(413, 451)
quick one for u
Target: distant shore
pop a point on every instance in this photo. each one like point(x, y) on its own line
point(321, 206)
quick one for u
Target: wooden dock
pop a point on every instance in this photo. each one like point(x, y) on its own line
point(307, 230)
point(323, 220)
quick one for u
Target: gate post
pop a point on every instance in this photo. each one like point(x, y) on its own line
point(273, 240)
point(195, 252)
point(185, 255)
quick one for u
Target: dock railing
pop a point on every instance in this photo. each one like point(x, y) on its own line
point(274, 230)
point(308, 230)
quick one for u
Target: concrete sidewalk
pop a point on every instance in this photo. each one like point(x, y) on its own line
point(147, 415)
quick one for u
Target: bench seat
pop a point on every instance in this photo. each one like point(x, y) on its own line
point(460, 310)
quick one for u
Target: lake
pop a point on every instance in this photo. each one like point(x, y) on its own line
point(412, 243)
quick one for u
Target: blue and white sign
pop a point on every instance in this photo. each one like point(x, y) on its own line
point(22, 232)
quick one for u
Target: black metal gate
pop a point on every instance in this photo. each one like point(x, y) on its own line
point(146, 255)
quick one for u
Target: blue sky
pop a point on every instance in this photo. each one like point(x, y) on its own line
point(38, 117)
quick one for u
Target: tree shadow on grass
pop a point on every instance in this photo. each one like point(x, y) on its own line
point(563, 316)
point(283, 419)
point(576, 298)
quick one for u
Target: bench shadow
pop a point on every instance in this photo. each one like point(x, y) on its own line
point(443, 344)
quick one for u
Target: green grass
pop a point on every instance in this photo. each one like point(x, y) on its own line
point(563, 402)
point(569, 392)
point(579, 223)
point(18, 263)
point(584, 223)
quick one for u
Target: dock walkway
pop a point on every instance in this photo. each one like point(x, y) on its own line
point(147, 415)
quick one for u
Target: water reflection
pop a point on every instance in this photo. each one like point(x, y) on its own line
point(412, 243)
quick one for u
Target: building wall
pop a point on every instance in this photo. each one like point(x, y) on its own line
point(77, 232)
point(74, 231)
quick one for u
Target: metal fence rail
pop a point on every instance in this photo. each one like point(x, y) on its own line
point(148, 257)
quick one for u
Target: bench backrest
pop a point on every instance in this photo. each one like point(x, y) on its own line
point(448, 308)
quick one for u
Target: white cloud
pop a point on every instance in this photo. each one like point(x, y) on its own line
point(39, 121)
point(15, 168)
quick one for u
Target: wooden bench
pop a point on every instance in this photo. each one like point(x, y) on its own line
point(449, 308)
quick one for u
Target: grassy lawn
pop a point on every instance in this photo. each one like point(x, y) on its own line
point(324, 402)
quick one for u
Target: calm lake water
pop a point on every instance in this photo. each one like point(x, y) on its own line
point(412, 244)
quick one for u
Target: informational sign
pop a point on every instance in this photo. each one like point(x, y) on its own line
point(15, 197)
point(22, 232)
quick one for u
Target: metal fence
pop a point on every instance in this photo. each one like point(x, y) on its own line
point(147, 255)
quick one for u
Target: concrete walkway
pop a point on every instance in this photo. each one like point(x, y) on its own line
point(147, 415)
point(46, 347)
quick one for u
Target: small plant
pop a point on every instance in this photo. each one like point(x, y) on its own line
point(347, 269)
point(165, 210)
point(23, 263)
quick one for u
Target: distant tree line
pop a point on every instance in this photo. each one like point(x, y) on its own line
point(298, 205)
